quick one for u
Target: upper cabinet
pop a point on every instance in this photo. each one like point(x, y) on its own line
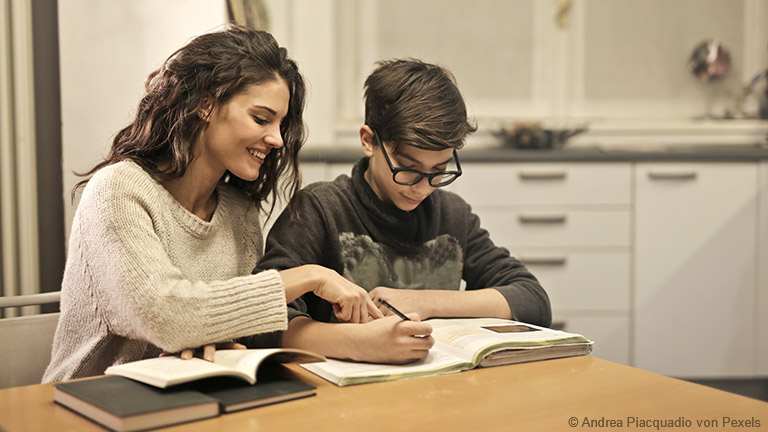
point(628, 58)
point(619, 65)
point(499, 50)
point(556, 59)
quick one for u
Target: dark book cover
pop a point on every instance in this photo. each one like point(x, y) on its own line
point(235, 394)
point(123, 404)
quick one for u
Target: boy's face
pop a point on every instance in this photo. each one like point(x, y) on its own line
point(379, 174)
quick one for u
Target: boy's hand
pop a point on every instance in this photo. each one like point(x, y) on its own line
point(392, 340)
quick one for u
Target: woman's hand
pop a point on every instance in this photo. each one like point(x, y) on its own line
point(351, 303)
point(208, 350)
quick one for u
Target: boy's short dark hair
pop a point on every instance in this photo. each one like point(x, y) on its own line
point(411, 102)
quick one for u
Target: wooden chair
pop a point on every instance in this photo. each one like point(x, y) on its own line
point(26, 341)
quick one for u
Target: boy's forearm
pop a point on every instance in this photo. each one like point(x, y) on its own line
point(449, 304)
point(480, 303)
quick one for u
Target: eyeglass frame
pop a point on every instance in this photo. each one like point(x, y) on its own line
point(421, 174)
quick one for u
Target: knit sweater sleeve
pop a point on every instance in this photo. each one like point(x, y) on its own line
point(489, 266)
point(141, 294)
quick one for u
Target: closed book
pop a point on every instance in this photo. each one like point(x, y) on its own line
point(122, 404)
point(234, 394)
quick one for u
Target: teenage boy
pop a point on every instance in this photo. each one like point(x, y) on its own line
point(391, 229)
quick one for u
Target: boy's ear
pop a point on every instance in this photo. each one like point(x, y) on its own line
point(366, 139)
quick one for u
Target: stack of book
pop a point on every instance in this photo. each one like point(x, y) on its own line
point(168, 390)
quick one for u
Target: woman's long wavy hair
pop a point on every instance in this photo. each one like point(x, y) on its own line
point(220, 64)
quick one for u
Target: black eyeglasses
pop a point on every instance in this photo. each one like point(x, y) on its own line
point(409, 177)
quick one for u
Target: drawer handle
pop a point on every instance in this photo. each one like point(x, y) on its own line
point(554, 260)
point(544, 175)
point(542, 218)
point(682, 175)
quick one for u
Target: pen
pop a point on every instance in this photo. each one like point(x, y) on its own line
point(393, 309)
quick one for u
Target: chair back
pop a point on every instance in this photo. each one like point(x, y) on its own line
point(26, 341)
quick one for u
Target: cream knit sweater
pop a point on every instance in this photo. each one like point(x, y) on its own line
point(143, 274)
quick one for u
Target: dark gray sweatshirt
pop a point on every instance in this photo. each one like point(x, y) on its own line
point(343, 225)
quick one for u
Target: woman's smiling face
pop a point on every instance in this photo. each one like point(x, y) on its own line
point(240, 134)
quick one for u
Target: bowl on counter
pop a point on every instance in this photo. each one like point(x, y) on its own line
point(535, 136)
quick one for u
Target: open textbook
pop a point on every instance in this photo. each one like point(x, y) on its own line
point(168, 371)
point(462, 344)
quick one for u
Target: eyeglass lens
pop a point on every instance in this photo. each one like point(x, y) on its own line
point(411, 177)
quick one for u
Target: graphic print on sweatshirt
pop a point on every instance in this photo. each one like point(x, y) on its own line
point(437, 264)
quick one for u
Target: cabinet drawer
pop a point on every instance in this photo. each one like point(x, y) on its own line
point(535, 228)
point(545, 184)
point(581, 281)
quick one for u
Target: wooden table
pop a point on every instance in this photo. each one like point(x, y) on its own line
point(539, 396)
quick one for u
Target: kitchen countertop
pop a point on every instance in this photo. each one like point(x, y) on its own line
point(670, 153)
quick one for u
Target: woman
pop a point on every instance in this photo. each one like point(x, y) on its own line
point(168, 226)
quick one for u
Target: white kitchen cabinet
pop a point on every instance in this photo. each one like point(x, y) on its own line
point(557, 226)
point(627, 58)
point(499, 50)
point(582, 281)
point(695, 268)
point(663, 265)
point(546, 184)
point(571, 225)
point(608, 331)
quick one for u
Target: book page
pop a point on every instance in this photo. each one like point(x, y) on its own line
point(248, 361)
point(348, 373)
point(167, 371)
point(477, 337)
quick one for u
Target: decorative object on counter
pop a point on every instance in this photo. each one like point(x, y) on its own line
point(249, 13)
point(709, 61)
point(534, 136)
point(753, 102)
point(563, 13)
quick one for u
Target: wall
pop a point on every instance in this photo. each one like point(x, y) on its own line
point(107, 49)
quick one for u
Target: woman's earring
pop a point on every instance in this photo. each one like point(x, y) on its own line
point(226, 178)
